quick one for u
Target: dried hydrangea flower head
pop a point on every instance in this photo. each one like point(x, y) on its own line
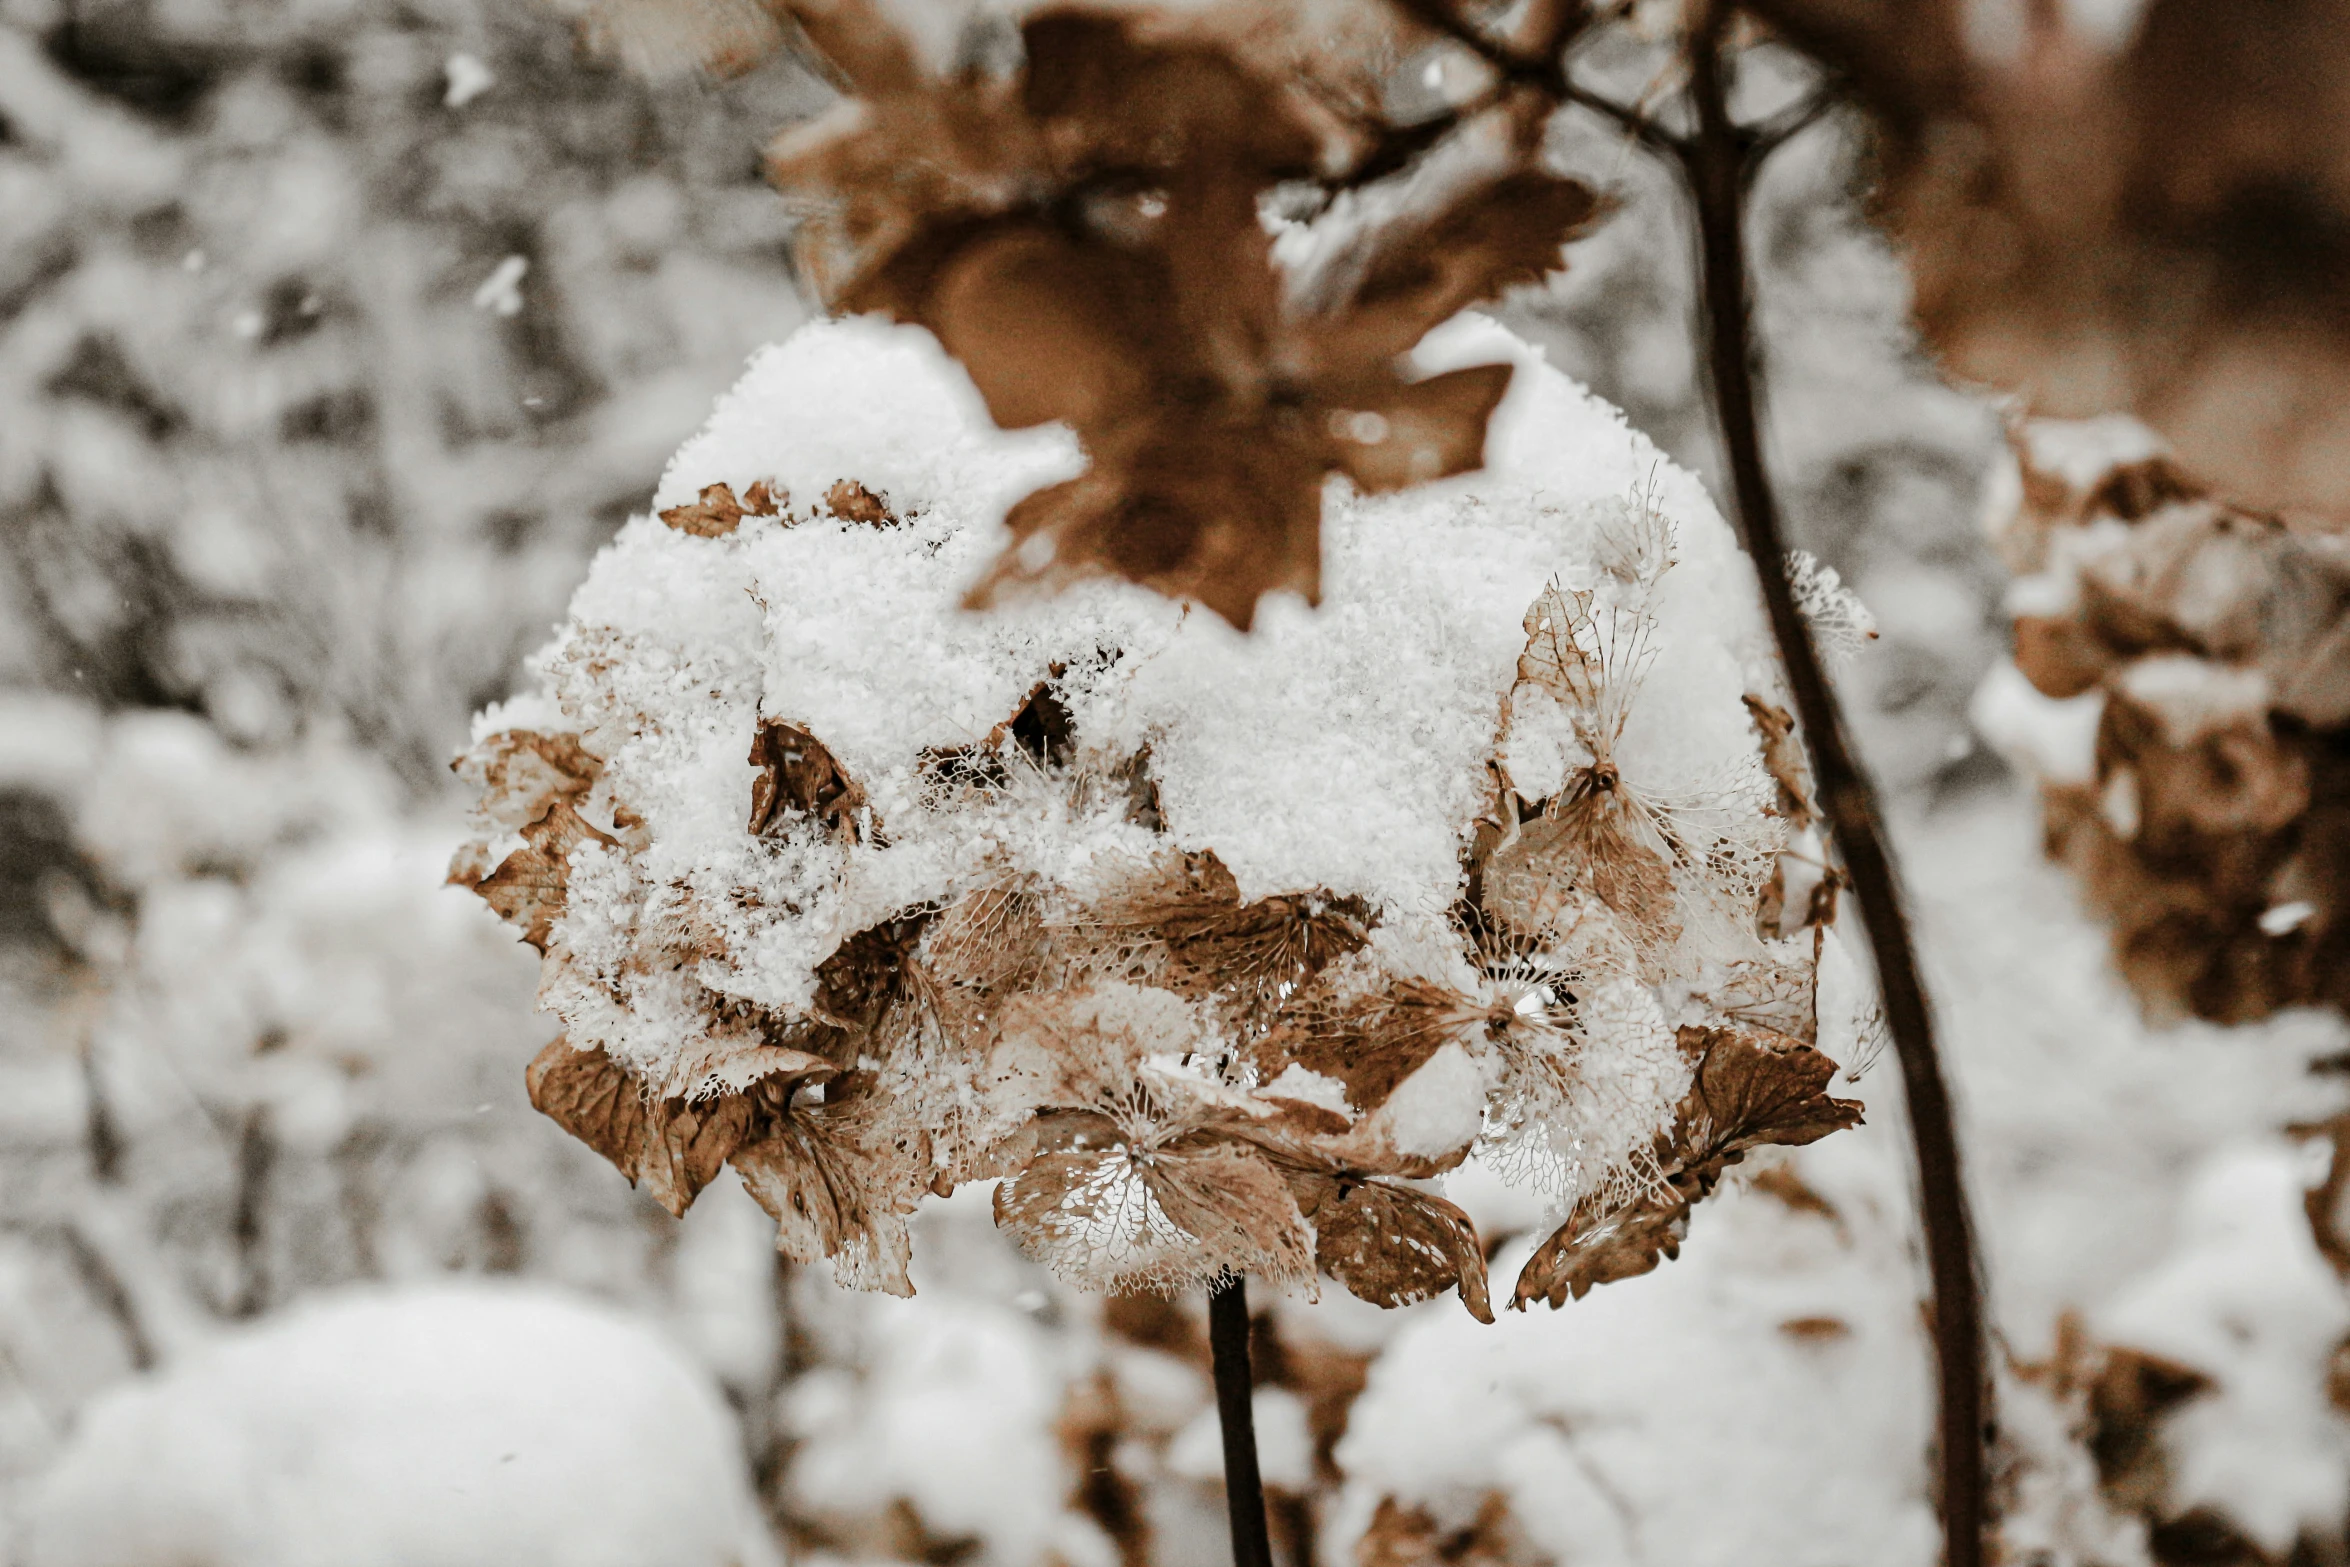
point(1214, 951)
point(2187, 708)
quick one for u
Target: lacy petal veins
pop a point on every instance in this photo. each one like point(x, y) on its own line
point(1215, 952)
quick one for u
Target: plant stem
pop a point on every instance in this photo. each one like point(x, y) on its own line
point(1719, 161)
point(1244, 1488)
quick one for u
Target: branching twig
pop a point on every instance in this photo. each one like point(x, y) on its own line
point(1719, 162)
point(1244, 1488)
point(1771, 134)
point(1642, 128)
point(106, 1285)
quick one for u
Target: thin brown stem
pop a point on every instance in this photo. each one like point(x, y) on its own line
point(1244, 1487)
point(1718, 162)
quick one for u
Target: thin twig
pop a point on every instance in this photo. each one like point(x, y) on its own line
point(1718, 162)
point(1244, 1488)
point(1769, 135)
point(1545, 71)
point(256, 1158)
point(105, 1284)
point(1651, 134)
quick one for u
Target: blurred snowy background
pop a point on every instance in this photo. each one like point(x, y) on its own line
point(334, 339)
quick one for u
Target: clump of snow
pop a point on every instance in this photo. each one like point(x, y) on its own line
point(2048, 737)
point(454, 1425)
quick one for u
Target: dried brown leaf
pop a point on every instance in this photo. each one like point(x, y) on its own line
point(799, 777)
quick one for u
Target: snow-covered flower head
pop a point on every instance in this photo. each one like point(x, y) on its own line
point(1214, 950)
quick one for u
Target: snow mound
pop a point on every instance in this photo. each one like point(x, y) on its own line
point(449, 1426)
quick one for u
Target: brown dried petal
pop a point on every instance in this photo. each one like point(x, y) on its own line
point(1783, 758)
point(1252, 955)
point(1219, 515)
point(1045, 323)
point(717, 513)
point(1109, 1214)
point(1597, 1246)
point(1530, 884)
point(1754, 1087)
point(1411, 433)
point(1751, 1087)
point(1109, 94)
point(852, 502)
point(858, 39)
point(1368, 1044)
point(530, 886)
point(1491, 237)
point(838, 1190)
point(799, 777)
point(673, 1148)
point(1393, 1245)
point(521, 774)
